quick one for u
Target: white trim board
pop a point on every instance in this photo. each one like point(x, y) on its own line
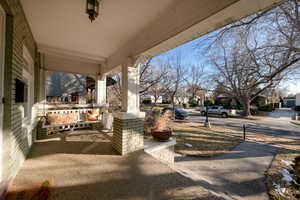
point(2, 56)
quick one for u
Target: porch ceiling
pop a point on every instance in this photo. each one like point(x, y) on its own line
point(63, 24)
point(126, 29)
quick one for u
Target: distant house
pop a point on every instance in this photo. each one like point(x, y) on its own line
point(298, 99)
point(289, 102)
point(151, 98)
point(225, 100)
point(260, 100)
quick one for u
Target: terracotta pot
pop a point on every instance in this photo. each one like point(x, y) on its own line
point(161, 136)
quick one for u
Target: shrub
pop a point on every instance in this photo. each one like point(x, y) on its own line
point(276, 105)
point(147, 101)
point(192, 103)
point(253, 111)
point(162, 122)
point(268, 108)
point(185, 105)
point(297, 108)
point(208, 103)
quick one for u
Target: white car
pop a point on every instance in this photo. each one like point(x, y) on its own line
point(218, 110)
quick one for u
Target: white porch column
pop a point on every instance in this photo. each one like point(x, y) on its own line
point(129, 124)
point(100, 86)
point(130, 89)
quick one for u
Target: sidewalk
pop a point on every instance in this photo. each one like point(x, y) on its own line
point(238, 174)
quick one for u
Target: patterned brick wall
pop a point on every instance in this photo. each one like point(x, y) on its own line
point(18, 34)
point(128, 135)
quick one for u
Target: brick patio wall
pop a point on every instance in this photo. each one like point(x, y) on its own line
point(18, 34)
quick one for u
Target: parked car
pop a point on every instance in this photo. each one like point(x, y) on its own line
point(179, 113)
point(218, 110)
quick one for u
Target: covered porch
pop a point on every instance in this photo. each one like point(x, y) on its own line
point(82, 165)
point(89, 164)
point(117, 42)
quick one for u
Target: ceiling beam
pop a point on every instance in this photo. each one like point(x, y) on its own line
point(74, 55)
point(59, 64)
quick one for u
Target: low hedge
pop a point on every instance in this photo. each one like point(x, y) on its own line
point(297, 108)
point(268, 108)
point(147, 101)
point(253, 111)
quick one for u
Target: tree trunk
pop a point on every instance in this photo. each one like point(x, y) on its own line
point(246, 106)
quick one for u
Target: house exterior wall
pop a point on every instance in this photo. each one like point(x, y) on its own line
point(15, 137)
point(289, 103)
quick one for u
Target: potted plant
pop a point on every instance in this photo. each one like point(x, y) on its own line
point(161, 130)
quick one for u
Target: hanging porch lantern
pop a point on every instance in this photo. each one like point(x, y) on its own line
point(92, 9)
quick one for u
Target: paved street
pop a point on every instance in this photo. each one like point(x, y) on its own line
point(277, 123)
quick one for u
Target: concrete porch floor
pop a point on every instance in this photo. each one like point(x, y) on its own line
point(84, 166)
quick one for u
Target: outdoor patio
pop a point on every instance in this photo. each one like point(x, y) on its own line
point(83, 165)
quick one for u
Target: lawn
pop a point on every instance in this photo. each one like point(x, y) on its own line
point(194, 139)
point(288, 143)
point(291, 191)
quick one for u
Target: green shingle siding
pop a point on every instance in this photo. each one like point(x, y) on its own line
point(18, 33)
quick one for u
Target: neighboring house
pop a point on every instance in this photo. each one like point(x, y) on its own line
point(151, 98)
point(289, 102)
point(181, 100)
point(224, 100)
point(66, 83)
point(260, 100)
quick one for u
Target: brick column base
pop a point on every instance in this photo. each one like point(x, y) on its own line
point(128, 132)
point(41, 132)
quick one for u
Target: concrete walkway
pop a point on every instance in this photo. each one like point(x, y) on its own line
point(84, 166)
point(238, 174)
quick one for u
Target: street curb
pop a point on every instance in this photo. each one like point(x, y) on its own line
point(295, 123)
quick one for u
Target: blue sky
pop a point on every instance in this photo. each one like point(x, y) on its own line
point(191, 54)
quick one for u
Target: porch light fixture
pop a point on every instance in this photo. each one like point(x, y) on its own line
point(92, 8)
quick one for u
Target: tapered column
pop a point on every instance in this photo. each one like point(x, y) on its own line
point(129, 124)
point(100, 86)
point(130, 89)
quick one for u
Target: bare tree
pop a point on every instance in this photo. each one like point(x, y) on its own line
point(195, 80)
point(255, 53)
point(151, 74)
point(175, 77)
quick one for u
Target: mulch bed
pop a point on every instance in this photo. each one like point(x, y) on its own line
point(278, 188)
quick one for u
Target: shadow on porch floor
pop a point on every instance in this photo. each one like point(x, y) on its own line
point(84, 166)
